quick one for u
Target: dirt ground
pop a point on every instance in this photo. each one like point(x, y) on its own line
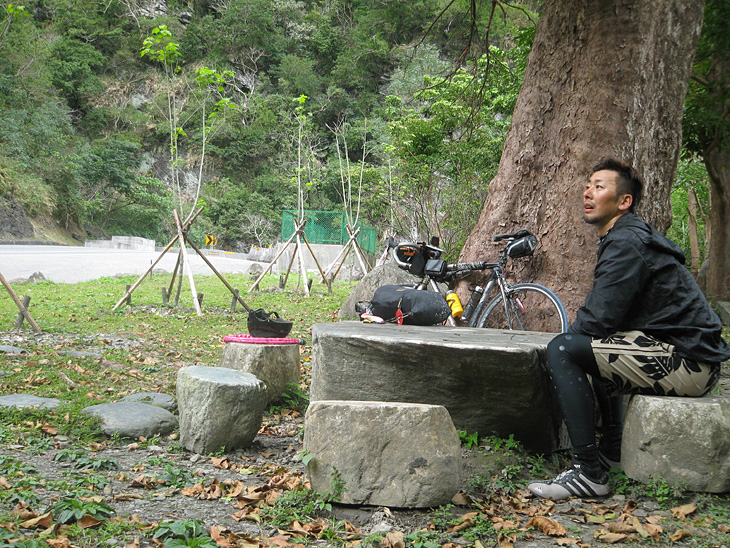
point(154, 481)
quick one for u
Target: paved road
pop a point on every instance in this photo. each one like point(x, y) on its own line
point(78, 264)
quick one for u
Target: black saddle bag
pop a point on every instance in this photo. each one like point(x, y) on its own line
point(417, 307)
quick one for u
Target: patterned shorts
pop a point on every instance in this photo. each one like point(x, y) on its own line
point(634, 363)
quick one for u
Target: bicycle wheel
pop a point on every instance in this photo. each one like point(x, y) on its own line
point(530, 307)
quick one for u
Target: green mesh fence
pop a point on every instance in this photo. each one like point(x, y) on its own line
point(328, 227)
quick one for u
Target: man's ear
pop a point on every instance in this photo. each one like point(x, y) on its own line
point(625, 202)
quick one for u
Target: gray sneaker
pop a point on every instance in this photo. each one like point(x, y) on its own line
point(571, 483)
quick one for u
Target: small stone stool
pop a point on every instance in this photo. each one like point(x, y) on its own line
point(219, 408)
point(386, 454)
point(275, 362)
point(684, 441)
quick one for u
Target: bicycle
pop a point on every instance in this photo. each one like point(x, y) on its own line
point(499, 304)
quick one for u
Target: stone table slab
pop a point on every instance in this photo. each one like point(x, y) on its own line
point(490, 381)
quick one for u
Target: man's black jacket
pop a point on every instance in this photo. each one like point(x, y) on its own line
point(640, 283)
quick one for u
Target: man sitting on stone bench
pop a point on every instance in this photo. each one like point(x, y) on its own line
point(645, 328)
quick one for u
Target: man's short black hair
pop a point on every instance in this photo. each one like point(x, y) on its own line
point(629, 180)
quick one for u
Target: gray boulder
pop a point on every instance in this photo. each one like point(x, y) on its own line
point(219, 408)
point(684, 441)
point(28, 400)
point(386, 274)
point(385, 454)
point(490, 381)
point(275, 364)
point(165, 401)
point(133, 419)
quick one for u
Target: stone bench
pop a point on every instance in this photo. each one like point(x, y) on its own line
point(384, 454)
point(490, 381)
point(684, 441)
point(219, 407)
point(275, 364)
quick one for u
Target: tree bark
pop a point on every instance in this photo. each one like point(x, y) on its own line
point(717, 282)
point(604, 78)
point(694, 240)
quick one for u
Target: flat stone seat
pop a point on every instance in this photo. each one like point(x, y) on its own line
point(277, 365)
point(683, 441)
point(390, 454)
point(129, 419)
point(28, 400)
point(490, 381)
point(219, 408)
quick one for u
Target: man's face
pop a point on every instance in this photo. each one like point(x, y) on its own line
point(601, 203)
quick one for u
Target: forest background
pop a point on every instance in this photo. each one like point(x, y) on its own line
point(363, 106)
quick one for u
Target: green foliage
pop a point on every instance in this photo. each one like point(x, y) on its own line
point(74, 67)
point(657, 489)
point(470, 440)
point(297, 504)
point(72, 510)
point(176, 534)
point(691, 177)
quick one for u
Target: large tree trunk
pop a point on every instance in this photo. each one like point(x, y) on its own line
point(717, 162)
point(604, 77)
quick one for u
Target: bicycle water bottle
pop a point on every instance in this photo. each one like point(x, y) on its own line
point(453, 299)
point(472, 304)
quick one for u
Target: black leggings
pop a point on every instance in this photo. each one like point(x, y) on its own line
point(570, 360)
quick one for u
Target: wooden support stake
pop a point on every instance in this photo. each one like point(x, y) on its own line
point(174, 274)
point(20, 306)
point(167, 247)
point(21, 318)
point(234, 301)
point(220, 276)
point(273, 262)
point(302, 268)
point(186, 263)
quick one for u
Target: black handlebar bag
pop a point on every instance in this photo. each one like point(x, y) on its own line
point(417, 307)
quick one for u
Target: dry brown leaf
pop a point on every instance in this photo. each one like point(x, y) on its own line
point(128, 496)
point(223, 537)
point(654, 530)
point(249, 513)
point(590, 518)
point(679, 534)
point(222, 463)
point(88, 521)
point(546, 526)
point(501, 523)
point(393, 539)
point(461, 499)
point(606, 536)
point(566, 541)
point(724, 528)
point(4, 483)
point(466, 522)
point(281, 541)
point(506, 541)
point(23, 512)
point(639, 527)
point(45, 521)
point(350, 528)
point(59, 542)
point(133, 544)
point(624, 528)
point(681, 512)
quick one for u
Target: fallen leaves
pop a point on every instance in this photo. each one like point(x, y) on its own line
point(546, 526)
